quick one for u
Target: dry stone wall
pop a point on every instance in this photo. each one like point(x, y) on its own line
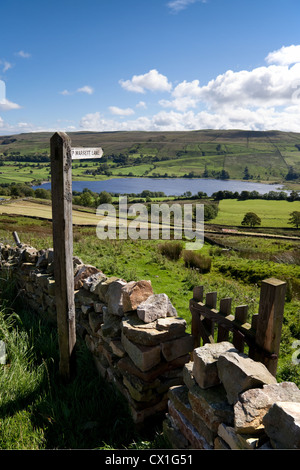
point(212, 397)
point(136, 339)
point(230, 402)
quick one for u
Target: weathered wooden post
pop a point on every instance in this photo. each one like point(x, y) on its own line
point(269, 324)
point(61, 189)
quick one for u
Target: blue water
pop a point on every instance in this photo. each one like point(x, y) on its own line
point(170, 186)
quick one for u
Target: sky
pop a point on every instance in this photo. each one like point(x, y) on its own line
point(149, 65)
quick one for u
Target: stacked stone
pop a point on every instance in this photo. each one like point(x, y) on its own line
point(229, 401)
point(33, 271)
point(138, 342)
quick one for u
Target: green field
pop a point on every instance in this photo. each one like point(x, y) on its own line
point(267, 155)
point(14, 172)
point(272, 213)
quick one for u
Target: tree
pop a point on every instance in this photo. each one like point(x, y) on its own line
point(246, 174)
point(42, 193)
point(224, 175)
point(294, 219)
point(105, 198)
point(210, 211)
point(251, 219)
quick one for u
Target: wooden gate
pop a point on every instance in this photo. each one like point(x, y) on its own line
point(261, 337)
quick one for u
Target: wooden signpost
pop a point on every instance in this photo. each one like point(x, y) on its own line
point(83, 153)
point(61, 189)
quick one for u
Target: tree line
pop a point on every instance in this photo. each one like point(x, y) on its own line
point(244, 195)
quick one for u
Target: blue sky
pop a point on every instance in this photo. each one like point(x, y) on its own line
point(107, 65)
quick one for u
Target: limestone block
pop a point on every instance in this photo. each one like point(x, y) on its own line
point(90, 283)
point(178, 395)
point(253, 404)
point(95, 321)
point(187, 429)
point(117, 347)
point(114, 297)
point(134, 293)
point(205, 368)
point(236, 441)
point(144, 357)
point(126, 365)
point(27, 268)
point(102, 287)
point(177, 347)
point(45, 257)
point(139, 395)
point(219, 444)
point(156, 306)
point(188, 377)
point(83, 272)
point(30, 254)
point(173, 436)
point(211, 405)
point(111, 327)
point(84, 297)
point(239, 373)
point(282, 425)
point(151, 334)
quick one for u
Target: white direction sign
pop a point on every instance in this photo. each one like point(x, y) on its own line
point(80, 153)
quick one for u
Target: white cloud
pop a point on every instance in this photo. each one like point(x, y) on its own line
point(24, 55)
point(141, 104)
point(275, 85)
point(263, 86)
point(284, 56)
point(6, 105)
point(120, 111)
point(185, 95)
point(258, 119)
point(86, 89)
point(178, 5)
point(5, 65)
point(152, 81)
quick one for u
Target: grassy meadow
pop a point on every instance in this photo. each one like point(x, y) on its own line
point(272, 213)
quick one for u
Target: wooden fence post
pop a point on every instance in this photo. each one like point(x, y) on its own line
point(269, 324)
point(196, 321)
point(61, 188)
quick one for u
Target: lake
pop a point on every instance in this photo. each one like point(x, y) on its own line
point(170, 186)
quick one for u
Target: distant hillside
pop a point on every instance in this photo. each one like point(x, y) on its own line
point(237, 154)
